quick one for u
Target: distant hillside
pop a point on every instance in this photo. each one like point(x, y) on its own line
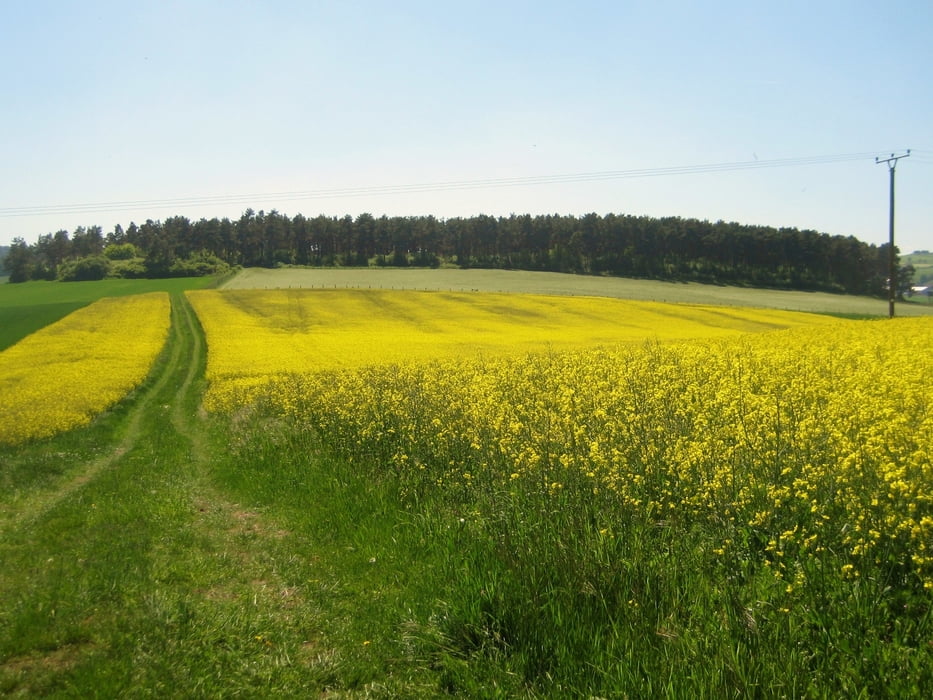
point(922, 260)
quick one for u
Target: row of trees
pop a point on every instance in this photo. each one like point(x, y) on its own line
point(623, 245)
point(89, 255)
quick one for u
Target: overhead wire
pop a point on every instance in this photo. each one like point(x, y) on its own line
point(439, 186)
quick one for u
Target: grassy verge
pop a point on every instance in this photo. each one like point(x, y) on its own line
point(524, 593)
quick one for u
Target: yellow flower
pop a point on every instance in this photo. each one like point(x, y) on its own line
point(65, 374)
point(809, 432)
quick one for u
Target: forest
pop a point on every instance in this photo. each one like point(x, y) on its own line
point(613, 244)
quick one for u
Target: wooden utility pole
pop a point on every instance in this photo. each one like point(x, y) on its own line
point(892, 258)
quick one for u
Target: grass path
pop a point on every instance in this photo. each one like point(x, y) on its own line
point(130, 573)
point(28, 507)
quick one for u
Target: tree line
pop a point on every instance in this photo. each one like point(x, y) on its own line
point(620, 245)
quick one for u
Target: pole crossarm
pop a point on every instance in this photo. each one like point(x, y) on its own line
point(892, 160)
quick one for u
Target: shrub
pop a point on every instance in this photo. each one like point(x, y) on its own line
point(93, 267)
point(198, 265)
point(121, 251)
point(129, 269)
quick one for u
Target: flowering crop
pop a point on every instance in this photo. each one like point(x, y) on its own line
point(60, 377)
point(806, 448)
point(807, 441)
point(256, 335)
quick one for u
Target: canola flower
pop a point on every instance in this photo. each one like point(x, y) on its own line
point(255, 335)
point(803, 446)
point(63, 375)
point(808, 449)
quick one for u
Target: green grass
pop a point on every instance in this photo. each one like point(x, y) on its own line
point(518, 594)
point(127, 573)
point(917, 259)
point(137, 561)
point(29, 306)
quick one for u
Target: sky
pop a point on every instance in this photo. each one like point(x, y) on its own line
point(764, 113)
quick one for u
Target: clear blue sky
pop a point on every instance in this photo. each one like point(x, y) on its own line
point(229, 104)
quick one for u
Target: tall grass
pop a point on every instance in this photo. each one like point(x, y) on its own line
point(526, 592)
point(761, 526)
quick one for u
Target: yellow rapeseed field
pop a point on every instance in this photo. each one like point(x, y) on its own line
point(807, 441)
point(809, 447)
point(254, 335)
point(60, 377)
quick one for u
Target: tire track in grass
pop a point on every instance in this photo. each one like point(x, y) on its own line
point(243, 556)
point(234, 574)
point(22, 511)
point(24, 538)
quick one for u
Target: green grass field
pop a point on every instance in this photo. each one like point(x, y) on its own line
point(27, 307)
point(161, 552)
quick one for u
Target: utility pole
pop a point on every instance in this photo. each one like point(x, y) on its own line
point(892, 265)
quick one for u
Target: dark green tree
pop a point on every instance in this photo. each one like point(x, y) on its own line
point(19, 261)
point(905, 279)
point(117, 236)
point(87, 242)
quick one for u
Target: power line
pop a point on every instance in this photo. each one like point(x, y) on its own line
point(442, 186)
